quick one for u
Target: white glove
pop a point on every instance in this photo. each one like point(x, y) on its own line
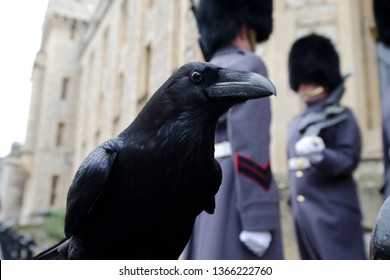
point(311, 147)
point(257, 242)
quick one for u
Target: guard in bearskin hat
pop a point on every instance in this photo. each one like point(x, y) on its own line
point(246, 222)
point(219, 21)
point(324, 148)
point(382, 19)
point(313, 59)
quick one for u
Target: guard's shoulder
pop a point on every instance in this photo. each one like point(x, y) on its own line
point(239, 59)
point(253, 63)
point(248, 56)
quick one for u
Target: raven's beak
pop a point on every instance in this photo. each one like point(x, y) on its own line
point(240, 84)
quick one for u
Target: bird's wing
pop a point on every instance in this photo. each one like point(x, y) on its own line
point(88, 184)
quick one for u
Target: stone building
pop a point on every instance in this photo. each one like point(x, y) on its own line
point(48, 150)
point(12, 181)
point(100, 60)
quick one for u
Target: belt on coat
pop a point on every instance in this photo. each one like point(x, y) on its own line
point(298, 163)
point(222, 149)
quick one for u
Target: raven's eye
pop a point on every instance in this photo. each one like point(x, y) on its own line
point(196, 76)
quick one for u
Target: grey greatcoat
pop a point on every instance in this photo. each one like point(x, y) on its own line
point(383, 52)
point(324, 198)
point(386, 140)
point(248, 198)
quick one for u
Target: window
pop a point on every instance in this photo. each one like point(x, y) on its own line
point(176, 35)
point(65, 86)
point(117, 103)
point(145, 78)
point(60, 134)
point(118, 95)
point(100, 109)
point(115, 125)
point(122, 23)
point(73, 29)
point(105, 45)
point(97, 137)
point(54, 186)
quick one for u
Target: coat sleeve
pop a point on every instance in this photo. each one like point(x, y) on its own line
point(249, 134)
point(342, 148)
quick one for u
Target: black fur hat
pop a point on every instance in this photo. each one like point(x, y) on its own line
point(382, 19)
point(220, 20)
point(313, 59)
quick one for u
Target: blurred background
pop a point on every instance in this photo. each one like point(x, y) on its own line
point(96, 64)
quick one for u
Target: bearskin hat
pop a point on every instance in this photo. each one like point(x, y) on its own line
point(220, 20)
point(382, 19)
point(313, 59)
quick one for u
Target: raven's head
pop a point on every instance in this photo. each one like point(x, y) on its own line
point(202, 92)
point(204, 85)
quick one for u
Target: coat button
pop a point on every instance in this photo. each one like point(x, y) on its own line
point(301, 198)
point(299, 173)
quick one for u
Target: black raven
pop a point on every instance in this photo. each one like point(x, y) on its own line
point(136, 196)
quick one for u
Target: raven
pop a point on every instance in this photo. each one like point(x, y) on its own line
point(136, 196)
